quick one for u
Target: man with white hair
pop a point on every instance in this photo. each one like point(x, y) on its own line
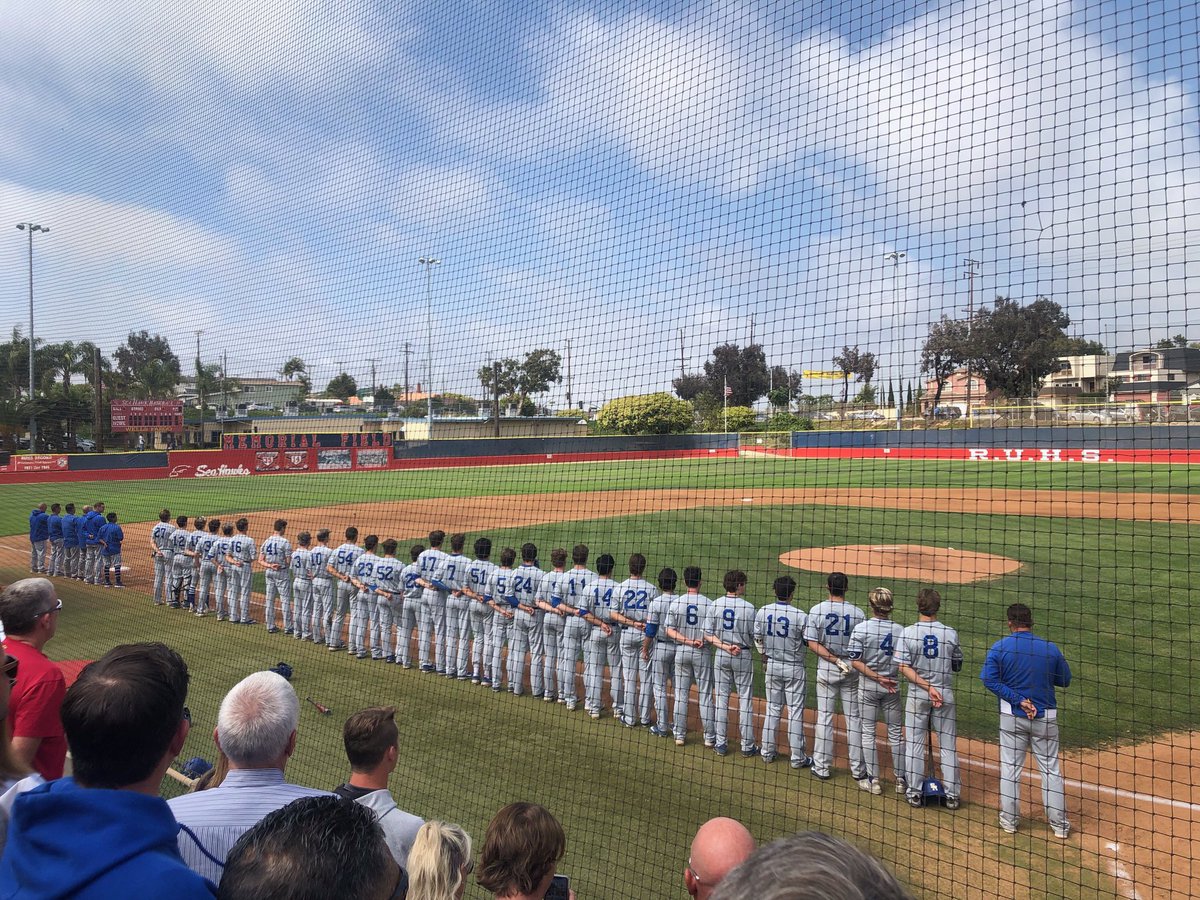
point(256, 729)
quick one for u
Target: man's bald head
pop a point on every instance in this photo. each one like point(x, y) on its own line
point(720, 846)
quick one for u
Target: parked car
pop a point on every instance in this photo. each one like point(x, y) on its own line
point(85, 445)
point(1099, 416)
point(946, 412)
point(870, 415)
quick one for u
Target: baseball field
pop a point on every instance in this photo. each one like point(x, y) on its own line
point(1102, 553)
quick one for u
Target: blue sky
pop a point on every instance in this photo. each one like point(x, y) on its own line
point(601, 173)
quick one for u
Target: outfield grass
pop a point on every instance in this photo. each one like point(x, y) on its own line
point(629, 802)
point(141, 500)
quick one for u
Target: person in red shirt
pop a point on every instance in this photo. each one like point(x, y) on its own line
point(29, 613)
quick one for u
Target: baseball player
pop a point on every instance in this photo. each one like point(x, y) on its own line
point(302, 587)
point(549, 601)
point(458, 610)
point(361, 605)
point(526, 635)
point(730, 628)
point(55, 537)
point(341, 567)
point(39, 533)
point(872, 651)
point(240, 562)
point(686, 620)
point(633, 600)
point(503, 602)
point(221, 584)
point(600, 599)
point(658, 651)
point(389, 588)
point(111, 537)
point(779, 636)
point(194, 538)
point(322, 586)
point(91, 543)
point(928, 657)
point(577, 627)
point(432, 625)
point(410, 610)
point(206, 549)
point(182, 564)
point(70, 525)
point(479, 574)
point(827, 630)
point(161, 550)
point(276, 556)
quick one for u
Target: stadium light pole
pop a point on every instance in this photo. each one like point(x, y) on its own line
point(30, 228)
point(429, 262)
point(199, 375)
point(894, 258)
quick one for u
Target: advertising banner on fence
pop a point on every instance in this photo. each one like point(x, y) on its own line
point(303, 441)
point(210, 464)
point(281, 461)
point(37, 462)
point(373, 458)
point(334, 461)
point(147, 415)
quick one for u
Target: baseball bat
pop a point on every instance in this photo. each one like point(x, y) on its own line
point(323, 710)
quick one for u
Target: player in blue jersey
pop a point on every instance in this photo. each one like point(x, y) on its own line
point(111, 537)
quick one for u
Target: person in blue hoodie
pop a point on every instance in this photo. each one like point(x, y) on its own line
point(54, 523)
point(105, 832)
point(39, 533)
point(91, 543)
point(70, 529)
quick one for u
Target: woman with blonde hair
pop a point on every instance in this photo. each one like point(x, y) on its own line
point(439, 862)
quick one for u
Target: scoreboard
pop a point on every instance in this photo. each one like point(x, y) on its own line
point(147, 415)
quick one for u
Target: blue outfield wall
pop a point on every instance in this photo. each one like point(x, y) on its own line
point(472, 447)
point(99, 462)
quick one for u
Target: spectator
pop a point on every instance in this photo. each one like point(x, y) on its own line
point(439, 863)
point(372, 744)
point(312, 849)
point(720, 845)
point(521, 852)
point(29, 612)
point(105, 832)
point(256, 729)
point(15, 779)
point(811, 866)
point(1023, 670)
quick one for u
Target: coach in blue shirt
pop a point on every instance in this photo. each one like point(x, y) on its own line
point(39, 532)
point(1023, 670)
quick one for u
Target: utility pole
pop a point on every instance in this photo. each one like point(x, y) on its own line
point(97, 391)
point(199, 376)
point(682, 363)
point(224, 385)
point(751, 344)
point(496, 395)
point(568, 374)
point(407, 392)
point(971, 267)
point(372, 362)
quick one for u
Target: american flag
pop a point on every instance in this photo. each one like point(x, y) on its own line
point(728, 391)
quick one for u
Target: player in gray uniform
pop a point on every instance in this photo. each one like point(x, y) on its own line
point(602, 645)
point(658, 651)
point(779, 636)
point(827, 630)
point(549, 601)
point(183, 563)
point(302, 590)
point(576, 627)
point(479, 573)
point(406, 622)
point(389, 590)
point(730, 629)
point(363, 602)
point(432, 626)
point(161, 550)
point(206, 553)
point(872, 651)
point(276, 556)
point(341, 567)
point(240, 560)
point(928, 656)
point(221, 582)
point(526, 635)
point(195, 537)
point(503, 603)
point(458, 610)
point(322, 586)
point(686, 620)
point(633, 600)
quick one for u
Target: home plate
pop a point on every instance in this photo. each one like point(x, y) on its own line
point(747, 499)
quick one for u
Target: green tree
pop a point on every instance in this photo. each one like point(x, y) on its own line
point(1014, 347)
point(690, 385)
point(866, 396)
point(740, 418)
point(742, 370)
point(944, 351)
point(857, 363)
point(1077, 346)
point(519, 380)
point(342, 386)
point(293, 368)
point(658, 413)
point(384, 399)
point(785, 385)
point(145, 366)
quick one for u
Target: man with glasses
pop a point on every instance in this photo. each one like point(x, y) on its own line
point(720, 846)
point(105, 832)
point(29, 612)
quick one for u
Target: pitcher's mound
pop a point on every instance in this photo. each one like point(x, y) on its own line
point(911, 562)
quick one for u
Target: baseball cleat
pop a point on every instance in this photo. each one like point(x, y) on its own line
point(721, 749)
point(769, 756)
point(710, 742)
point(822, 776)
point(801, 762)
point(901, 786)
point(679, 742)
point(876, 787)
point(659, 732)
point(1061, 831)
point(750, 751)
point(1008, 829)
point(864, 784)
point(952, 802)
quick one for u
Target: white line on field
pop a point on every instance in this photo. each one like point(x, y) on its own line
point(1121, 874)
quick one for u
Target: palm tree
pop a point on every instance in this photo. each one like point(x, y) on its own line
point(293, 367)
